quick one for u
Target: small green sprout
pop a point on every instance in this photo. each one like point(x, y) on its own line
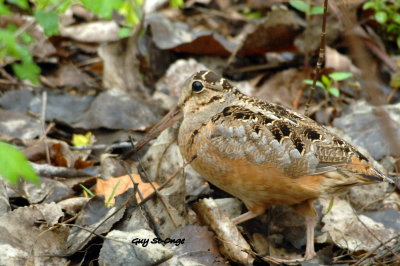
point(328, 80)
point(306, 7)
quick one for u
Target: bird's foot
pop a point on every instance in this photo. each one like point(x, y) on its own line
point(274, 260)
point(307, 256)
point(310, 254)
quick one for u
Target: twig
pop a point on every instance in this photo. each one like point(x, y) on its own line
point(163, 185)
point(369, 253)
point(321, 58)
point(391, 95)
point(375, 201)
point(10, 78)
point(145, 208)
point(373, 234)
point(123, 205)
point(126, 202)
point(158, 195)
point(52, 171)
point(43, 123)
point(124, 144)
point(49, 127)
point(268, 66)
point(161, 159)
point(17, 83)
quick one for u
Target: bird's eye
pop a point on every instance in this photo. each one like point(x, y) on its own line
point(197, 86)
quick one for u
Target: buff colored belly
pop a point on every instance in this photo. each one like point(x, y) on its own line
point(257, 185)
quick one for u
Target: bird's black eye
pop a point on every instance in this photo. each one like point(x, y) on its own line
point(197, 86)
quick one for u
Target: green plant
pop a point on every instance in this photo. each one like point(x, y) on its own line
point(176, 3)
point(15, 42)
point(387, 14)
point(108, 202)
point(328, 80)
point(14, 165)
point(250, 14)
point(306, 7)
point(90, 193)
point(395, 78)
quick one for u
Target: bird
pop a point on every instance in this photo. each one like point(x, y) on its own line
point(263, 153)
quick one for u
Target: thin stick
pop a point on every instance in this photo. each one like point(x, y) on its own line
point(124, 144)
point(146, 176)
point(144, 206)
point(163, 185)
point(43, 123)
point(321, 57)
point(366, 255)
point(373, 235)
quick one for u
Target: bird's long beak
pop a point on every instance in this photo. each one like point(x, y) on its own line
point(168, 120)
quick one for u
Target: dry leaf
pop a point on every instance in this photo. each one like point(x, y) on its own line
point(106, 187)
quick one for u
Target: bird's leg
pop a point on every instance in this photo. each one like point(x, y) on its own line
point(307, 210)
point(310, 225)
point(244, 217)
point(310, 252)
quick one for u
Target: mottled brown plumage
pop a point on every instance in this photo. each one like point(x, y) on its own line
point(263, 153)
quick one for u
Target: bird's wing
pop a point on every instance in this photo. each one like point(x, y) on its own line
point(291, 142)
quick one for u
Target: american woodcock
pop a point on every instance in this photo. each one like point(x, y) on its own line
point(263, 153)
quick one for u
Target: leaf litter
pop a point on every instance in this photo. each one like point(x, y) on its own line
point(112, 88)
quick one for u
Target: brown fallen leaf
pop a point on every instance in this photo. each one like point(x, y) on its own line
point(58, 158)
point(82, 164)
point(106, 187)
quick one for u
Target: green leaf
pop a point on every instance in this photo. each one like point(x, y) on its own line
point(14, 165)
point(381, 17)
point(395, 78)
point(398, 41)
point(7, 39)
point(16, 50)
point(27, 70)
point(370, 5)
point(317, 10)
point(132, 12)
point(64, 6)
point(43, 4)
point(330, 205)
point(310, 82)
point(326, 81)
point(87, 190)
point(24, 4)
point(339, 76)
point(396, 18)
point(176, 3)
point(125, 32)
point(12, 27)
point(103, 8)
point(27, 38)
point(252, 14)
point(108, 203)
point(4, 10)
point(48, 21)
point(392, 28)
point(299, 5)
point(334, 91)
